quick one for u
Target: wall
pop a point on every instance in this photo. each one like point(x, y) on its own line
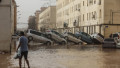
point(112, 6)
point(6, 24)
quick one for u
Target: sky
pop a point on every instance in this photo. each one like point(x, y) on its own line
point(27, 8)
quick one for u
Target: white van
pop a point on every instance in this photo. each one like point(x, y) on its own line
point(97, 38)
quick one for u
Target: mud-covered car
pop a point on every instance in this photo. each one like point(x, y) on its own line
point(97, 38)
point(109, 43)
point(39, 36)
point(72, 38)
point(84, 37)
point(55, 36)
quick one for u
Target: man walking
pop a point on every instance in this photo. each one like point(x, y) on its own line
point(23, 45)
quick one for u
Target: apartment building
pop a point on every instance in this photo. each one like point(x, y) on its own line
point(47, 18)
point(32, 24)
point(90, 16)
point(37, 18)
point(68, 12)
point(8, 22)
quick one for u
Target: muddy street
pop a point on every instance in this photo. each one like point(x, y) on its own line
point(73, 56)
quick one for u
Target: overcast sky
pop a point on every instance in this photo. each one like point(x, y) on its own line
point(28, 7)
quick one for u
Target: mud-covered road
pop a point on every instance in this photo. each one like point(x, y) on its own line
point(71, 56)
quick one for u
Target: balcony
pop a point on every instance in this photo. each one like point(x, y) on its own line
point(76, 24)
point(65, 25)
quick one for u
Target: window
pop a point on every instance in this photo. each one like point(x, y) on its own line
point(87, 16)
point(100, 13)
point(57, 34)
point(83, 3)
point(36, 33)
point(110, 40)
point(80, 18)
point(83, 17)
point(91, 2)
point(87, 2)
point(72, 34)
point(99, 2)
point(94, 1)
point(95, 14)
point(92, 15)
point(33, 32)
point(100, 35)
point(79, 6)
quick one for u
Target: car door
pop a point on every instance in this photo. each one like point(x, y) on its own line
point(83, 36)
point(42, 38)
point(55, 36)
point(76, 40)
point(58, 36)
point(89, 39)
point(34, 35)
point(38, 37)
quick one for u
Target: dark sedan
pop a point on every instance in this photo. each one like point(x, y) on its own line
point(109, 43)
point(84, 37)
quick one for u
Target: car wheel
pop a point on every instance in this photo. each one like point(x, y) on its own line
point(80, 43)
point(30, 38)
point(66, 38)
point(49, 36)
point(48, 43)
point(79, 37)
point(63, 43)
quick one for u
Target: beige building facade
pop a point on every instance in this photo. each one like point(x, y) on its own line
point(90, 16)
point(7, 23)
point(47, 19)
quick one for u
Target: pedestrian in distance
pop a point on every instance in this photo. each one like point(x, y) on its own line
point(23, 45)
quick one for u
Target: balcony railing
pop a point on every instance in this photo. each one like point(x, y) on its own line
point(65, 25)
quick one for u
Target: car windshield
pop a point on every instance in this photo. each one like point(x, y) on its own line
point(57, 34)
point(110, 40)
point(37, 33)
point(44, 35)
point(100, 35)
point(72, 34)
point(86, 34)
point(115, 35)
